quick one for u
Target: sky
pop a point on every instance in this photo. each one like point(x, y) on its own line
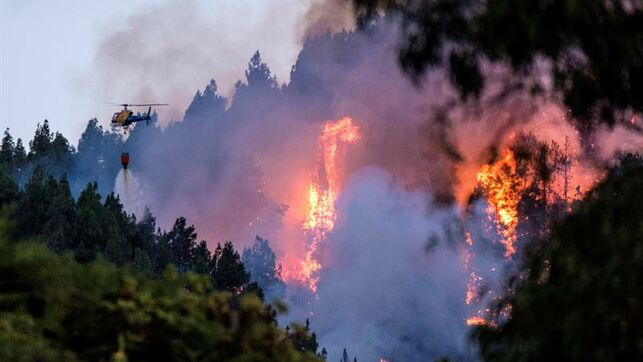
point(63, 59)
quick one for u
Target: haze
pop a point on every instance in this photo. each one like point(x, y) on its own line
point(118, 51)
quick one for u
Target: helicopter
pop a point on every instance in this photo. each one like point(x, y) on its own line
point(125, 117)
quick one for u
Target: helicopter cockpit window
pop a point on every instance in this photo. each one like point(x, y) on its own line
point(114, 117)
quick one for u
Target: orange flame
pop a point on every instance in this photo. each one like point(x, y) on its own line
point(476, 321)
point(322, 196)
point(503, 190)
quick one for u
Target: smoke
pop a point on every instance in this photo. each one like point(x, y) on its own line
point(382, 294)
point(241, 166)
point(130, 192)
point(166, 51)
point(326, 16)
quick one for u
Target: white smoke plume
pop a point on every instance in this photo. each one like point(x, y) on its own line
point(383, 294)
point(167, 50)
point(130, 192)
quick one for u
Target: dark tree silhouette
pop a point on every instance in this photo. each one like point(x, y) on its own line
point(260, 262)
point(55, 309)
point(40, 146)
point(228, 273)
point(592, 51)
point(7, 149)
point(207, 105)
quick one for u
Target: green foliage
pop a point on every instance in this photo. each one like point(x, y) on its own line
point(579, 295)
point(33, 205)
point(59, 227)
point(19, 157)
point(201, 258)
point(181, 241)
point(91, 228)
point(7, 149)
point(41, 144)
point(97, 158)
point(54, 309)
point(302, 339)
point(258, 73)
point(8, 188)
point(207, 105)
point(260, 262)
point(228, 273)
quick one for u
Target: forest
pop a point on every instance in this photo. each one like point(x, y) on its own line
point(448, 181)
point(119, 280)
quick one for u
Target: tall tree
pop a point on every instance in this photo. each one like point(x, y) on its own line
point(228, 272)
point(32, 211)
point(201, 258)
point(260, 262)
point(19, 156)
point(7, 149)
point(182, 242)
point(97, 158)
point(54, 309)
point(40, 146)
point(8, 189)
point(61, 153)
point(59, 228)
point(302, 338)
point(91, 229)
point(260, 91)
point(258, 74)
point(207, 105)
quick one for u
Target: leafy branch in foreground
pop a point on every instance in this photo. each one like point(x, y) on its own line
point(53, 308)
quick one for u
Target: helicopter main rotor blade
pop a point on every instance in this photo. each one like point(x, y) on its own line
point(135, 105)
point(147, 104)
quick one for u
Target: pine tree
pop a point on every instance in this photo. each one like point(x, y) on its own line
point(207, 105)
point(344, 357)
point(32, 211)
point(59, 227)
point(228, 272)
point(19, 156)
point(142, 262)
point(8, 189)
point(90, 225)
point(61, 153)
point(259, 92)
point(259, 261)
point(7, 149)
point(146, 232)
point(125, 224)
point(201, 259)
point(258, 73)
point(40, 146)
point(302, 339)
point(117, 249)
point(97, 158)
point(182, 242)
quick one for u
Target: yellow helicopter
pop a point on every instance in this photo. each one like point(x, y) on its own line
point(125, 117)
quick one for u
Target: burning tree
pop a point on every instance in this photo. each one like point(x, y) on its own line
point(579, 296)
point(525, 190)
point(323, 193)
